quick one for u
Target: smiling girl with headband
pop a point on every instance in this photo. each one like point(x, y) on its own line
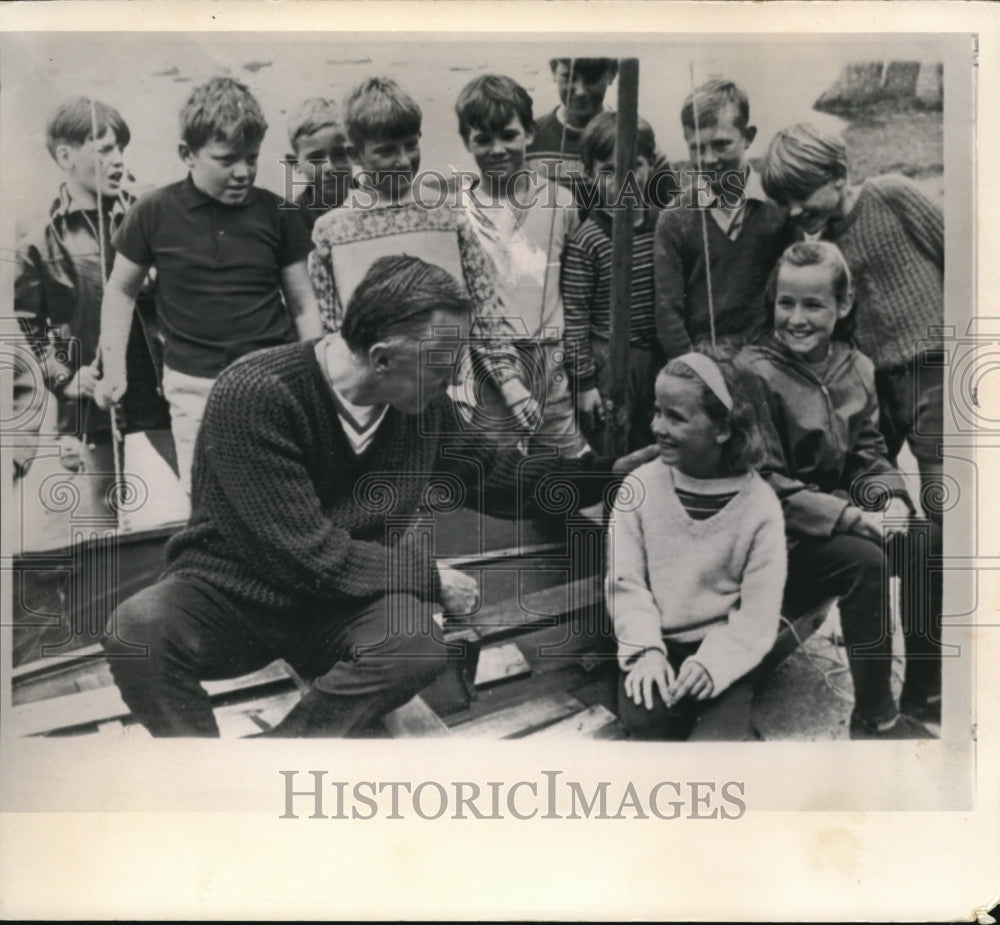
point(697, 561)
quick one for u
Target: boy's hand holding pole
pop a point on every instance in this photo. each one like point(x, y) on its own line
point(120, 294)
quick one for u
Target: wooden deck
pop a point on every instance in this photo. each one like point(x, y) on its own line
point(538, 661)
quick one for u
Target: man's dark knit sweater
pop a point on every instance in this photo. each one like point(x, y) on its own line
point(285, 516)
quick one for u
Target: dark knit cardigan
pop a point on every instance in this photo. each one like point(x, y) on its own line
point(284, 516)
point(739, 268)
point(893, 240)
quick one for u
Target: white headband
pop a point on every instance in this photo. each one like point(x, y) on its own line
point(708, 371)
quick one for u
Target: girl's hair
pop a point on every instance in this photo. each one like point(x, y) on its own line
point(394, 299)
point(73, 124)
point(744, 450)
point(800, 159)
point(378, 108)
point(816, 254)
point(490, 102)
point(710, 99)
point(597, 143)
point(222, 109)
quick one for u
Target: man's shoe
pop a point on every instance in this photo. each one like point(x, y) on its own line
point(904, 727)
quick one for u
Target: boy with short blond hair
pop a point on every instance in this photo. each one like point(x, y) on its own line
point(383, 123)
point(230, 262)
point(746, 232)
point(586, 286)
point(320, 158)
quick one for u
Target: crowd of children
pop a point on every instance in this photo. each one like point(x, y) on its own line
point(781, 344)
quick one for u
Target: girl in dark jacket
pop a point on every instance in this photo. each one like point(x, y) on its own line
point(847, 511)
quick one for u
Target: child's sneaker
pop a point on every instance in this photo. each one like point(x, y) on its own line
point(903, 727)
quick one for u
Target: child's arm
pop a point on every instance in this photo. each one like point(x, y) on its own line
point(34, 315)
point(921, 219)
point(116, 321)
point(731, 649)
point(637, 621)
point(498, 354)
point(324, 286)
point(668, 267)
point(578, 282)
point(301, 300)
point(868, 458)
point(808, 511)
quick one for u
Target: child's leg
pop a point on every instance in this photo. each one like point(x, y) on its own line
point(187, 396)
point(911, 409)
point(558, 427)
point(726, 718)
point(644, 366)
point(855, 571)
point(659, 724)
point(921, 604)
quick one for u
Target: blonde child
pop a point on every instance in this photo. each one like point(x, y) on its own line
point(230, 263)
point(392, 211)
point(828, 464)
point(892, 237)
point(320, 158)
point(698, 564)
point(522, 223)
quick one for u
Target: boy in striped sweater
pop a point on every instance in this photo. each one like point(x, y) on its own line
point(586, 287)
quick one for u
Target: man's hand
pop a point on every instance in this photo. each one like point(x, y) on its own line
point(110, 389)
point(590, 404)
point(650, 670)
point(459, 592)
point(83, 383)
point(522, 404)
point(692, 681)
point(633, 460)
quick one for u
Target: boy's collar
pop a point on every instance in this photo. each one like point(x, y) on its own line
point(605, 221)
point(64, 203)
point(194, 197)
point(560, 112)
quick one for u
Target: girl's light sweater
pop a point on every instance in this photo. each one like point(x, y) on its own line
point(717, 581)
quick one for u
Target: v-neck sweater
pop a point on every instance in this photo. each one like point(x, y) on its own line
point(739, 272)
point(285, 516)
point(717, 582)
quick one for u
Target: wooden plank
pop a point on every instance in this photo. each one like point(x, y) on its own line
point(541, 608)
point(56, 663)
point(414, 720)
point(241, 720)
point(106, 703)
point(500, 663)
point(521, 719)
point(582, 725)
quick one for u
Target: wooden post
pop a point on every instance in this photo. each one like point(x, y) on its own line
point(622, 219)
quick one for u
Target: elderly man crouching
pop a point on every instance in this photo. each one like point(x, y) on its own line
point(303, 453)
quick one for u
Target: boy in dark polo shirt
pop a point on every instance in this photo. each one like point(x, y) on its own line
point(230, 262)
